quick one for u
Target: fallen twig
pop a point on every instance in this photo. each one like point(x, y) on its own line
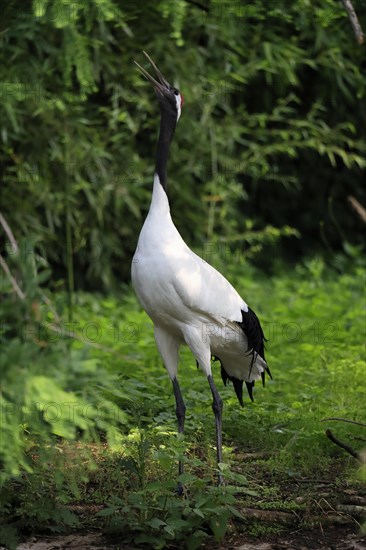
point(270, 516)
point(331, 519)
point(354, 20)
point(344, 446)
point(344, 420)
point(352, 509)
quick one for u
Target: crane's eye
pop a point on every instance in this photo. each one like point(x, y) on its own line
point(176, 92)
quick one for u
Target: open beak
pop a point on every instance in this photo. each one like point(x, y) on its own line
point(161, 84)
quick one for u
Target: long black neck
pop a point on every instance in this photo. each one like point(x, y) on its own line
point(168, 122)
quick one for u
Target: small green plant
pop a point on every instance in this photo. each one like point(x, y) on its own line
point(157, 516)
point(153, 513)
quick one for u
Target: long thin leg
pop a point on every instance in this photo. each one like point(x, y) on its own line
point(180, 411)
point(217, 409)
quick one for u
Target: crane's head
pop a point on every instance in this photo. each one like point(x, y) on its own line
point(170, 99)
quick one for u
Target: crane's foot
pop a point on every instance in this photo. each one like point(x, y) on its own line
point(179, 490)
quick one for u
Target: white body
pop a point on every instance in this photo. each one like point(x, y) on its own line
point(188, 301)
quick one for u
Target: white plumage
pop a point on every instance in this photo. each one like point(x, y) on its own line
point(188, 300)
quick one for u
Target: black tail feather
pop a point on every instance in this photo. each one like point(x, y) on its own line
point(252, 329)
point(238, 387)
point(249, 386)
point(256, 343)
point(238, 384)
point(224, 375)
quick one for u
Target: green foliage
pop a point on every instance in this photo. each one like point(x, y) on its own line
point(156, 515)
point(78, 124)
point(49, 389)
point(314, 321)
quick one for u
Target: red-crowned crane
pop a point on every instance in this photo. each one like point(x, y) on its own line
point(189, 301)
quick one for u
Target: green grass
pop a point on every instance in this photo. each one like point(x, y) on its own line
point(315, 325)
point(124, 481)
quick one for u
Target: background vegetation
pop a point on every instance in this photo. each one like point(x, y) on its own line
point(79, 126)
point(270, 146)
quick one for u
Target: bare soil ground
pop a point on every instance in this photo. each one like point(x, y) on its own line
point(333, 538)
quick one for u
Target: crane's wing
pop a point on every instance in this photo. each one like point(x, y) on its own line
point(203, 289)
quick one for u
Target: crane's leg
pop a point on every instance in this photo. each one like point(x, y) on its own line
point(180, 411)
point(168, 346)
point(201, 350)
point(217, 409)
